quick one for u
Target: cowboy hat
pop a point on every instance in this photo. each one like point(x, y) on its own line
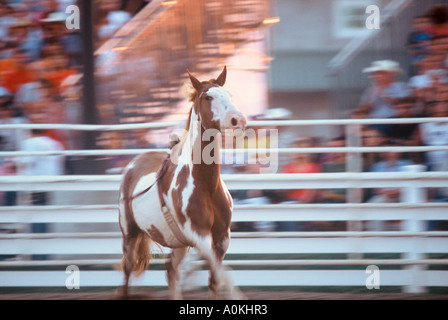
point(55, 17)
point(383, 65)
point(274, 113)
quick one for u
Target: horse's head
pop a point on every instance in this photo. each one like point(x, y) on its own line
point(213, 105)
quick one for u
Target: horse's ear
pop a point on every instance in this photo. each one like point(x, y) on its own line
point(222, 77)
point(195, 82)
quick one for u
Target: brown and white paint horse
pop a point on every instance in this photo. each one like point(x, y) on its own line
point(183, 203)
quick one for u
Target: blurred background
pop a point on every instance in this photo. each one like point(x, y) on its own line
point(109, 62)
point(127, 62)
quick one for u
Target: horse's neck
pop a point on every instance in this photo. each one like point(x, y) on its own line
point(192, 153)
point(189, 143)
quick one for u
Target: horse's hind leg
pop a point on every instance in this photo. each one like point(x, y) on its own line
point(127, 264)
point(172, 270)
point(136, 257)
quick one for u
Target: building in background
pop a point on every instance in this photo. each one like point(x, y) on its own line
point(320, 48)
point(142, 66)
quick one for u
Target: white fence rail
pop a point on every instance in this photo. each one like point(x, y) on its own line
point(403, 243)
point(415, 256)
point(239, 181)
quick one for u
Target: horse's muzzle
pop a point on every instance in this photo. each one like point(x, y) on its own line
point(236, 121)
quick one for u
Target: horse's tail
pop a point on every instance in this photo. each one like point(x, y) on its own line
point(141, 255)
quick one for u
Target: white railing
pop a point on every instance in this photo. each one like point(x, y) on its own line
point(343, 180)
point(257, 123)
point(413, 249)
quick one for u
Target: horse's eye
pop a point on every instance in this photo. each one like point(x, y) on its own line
point(208, 98)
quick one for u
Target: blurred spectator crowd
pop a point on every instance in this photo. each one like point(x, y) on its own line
point(424, 94)
point(40, 70)
point(37, 54)
point(40, 59)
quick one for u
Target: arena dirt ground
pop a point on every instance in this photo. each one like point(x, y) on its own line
point(203, 295)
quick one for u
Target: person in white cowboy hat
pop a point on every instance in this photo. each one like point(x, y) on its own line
point(376, 100)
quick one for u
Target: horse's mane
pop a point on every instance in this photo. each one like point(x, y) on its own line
point(189, 91)
point(187, 124)
point(191, 94)
point(176, 139)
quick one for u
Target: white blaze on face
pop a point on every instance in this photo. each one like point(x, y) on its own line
point(221, 103)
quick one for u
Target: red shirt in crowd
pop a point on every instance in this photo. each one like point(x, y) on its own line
point(301, 194)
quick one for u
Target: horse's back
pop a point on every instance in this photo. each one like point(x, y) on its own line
point(142, 165)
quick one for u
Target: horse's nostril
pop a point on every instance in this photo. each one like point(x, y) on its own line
point(234, 122)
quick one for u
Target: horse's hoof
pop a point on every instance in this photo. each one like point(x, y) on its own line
point(121, 293)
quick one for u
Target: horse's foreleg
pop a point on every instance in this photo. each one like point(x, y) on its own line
point(219, 249)
point(172, 270)
point(213, 255)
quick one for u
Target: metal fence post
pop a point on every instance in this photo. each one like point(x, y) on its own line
point(353, 134)
point(354, 164)
point(414, 193)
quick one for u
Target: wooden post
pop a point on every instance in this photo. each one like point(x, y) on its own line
point(88, 165)
point(89, 114)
